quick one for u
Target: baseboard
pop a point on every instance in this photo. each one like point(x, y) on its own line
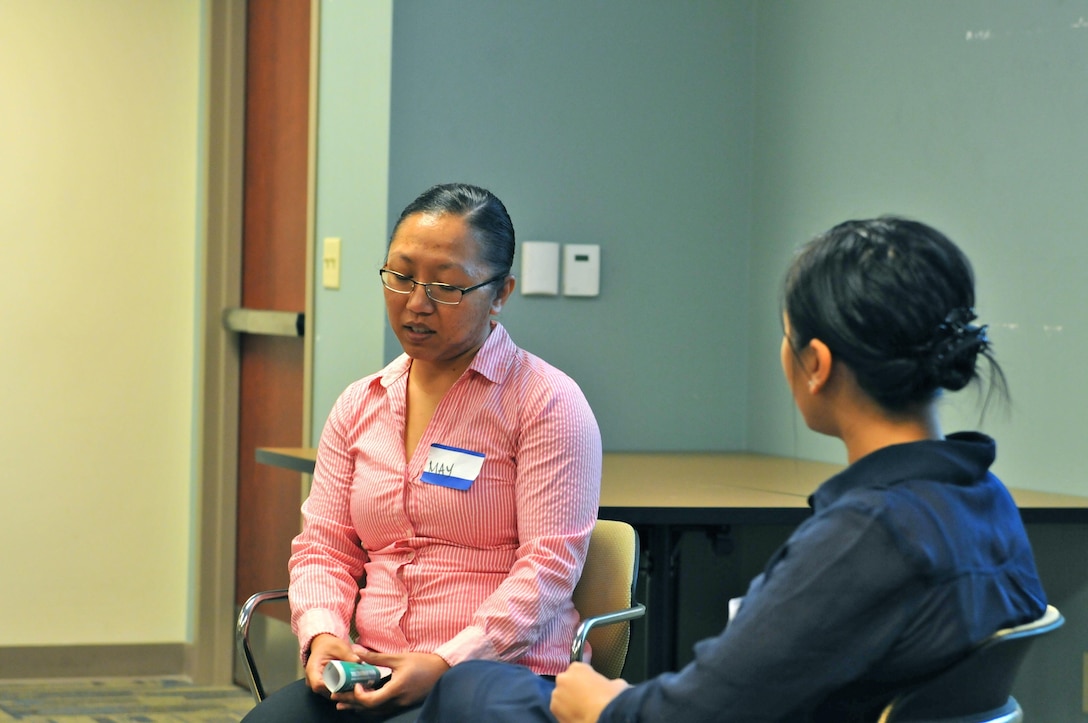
point(92, 661)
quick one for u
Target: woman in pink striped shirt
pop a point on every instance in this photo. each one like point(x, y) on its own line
point(455, 490)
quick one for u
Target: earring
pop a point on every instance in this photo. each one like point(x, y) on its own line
point(812, 385)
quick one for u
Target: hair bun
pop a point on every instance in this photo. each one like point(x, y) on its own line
point(954, 348)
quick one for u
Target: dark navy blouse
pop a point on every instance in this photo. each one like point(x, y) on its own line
point(913, 554)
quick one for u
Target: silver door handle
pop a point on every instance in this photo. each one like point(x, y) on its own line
point(268, 323)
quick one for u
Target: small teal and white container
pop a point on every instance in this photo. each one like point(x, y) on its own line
point(341, 676)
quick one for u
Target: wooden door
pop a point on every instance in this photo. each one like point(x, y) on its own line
point(274, 271)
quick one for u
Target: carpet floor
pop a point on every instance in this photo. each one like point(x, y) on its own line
point(151, 700)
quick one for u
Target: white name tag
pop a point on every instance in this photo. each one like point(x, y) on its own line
point(452, 467)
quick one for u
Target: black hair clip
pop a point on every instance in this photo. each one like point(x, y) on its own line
point(956, 334)
point(957, 323)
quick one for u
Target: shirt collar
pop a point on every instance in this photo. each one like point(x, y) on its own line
point(495, 356)
point(962, 458)
point(492, 360)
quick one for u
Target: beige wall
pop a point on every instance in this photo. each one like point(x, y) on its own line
point(98, 225)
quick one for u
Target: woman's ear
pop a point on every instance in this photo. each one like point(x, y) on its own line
point(817, 365)
point(504, 294)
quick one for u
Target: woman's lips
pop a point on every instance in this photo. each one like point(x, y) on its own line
point(417, 333)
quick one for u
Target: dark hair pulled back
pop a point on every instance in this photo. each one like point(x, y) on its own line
point(894, 300)
point(483, 212)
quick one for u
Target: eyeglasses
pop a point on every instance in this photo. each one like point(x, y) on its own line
point(437, 292)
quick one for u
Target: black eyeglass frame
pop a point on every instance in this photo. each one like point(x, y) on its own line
point(428, 284)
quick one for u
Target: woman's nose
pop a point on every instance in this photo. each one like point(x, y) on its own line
point(418, 299)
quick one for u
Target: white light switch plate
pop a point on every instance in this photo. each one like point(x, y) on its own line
point(330, 263)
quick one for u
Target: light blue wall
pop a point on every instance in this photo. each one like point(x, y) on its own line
point(351, 191)
point(548, 106)
point(969, 115)
point(625, 124)
point(633, 125)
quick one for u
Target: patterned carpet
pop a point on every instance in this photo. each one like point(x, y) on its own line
point(152, 700)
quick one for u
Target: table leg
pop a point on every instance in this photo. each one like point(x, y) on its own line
point(661, 607)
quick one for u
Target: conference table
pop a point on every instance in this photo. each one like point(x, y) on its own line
point(666, 494)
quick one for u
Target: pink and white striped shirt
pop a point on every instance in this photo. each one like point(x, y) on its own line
point(481, 573)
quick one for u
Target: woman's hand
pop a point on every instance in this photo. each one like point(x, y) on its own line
point(324, 648)
point(581, 693)
point(414, 674)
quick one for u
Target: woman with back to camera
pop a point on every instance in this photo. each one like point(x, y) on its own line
point(913, 555)
point(455, 490)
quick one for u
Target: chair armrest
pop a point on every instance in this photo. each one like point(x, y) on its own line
point(242, 633)
point(577, 646)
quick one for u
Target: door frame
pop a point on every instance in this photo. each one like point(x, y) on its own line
point(209, 658)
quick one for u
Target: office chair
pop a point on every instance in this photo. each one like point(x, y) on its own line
point(604, 596)
point(245, 616)
point(978, 688)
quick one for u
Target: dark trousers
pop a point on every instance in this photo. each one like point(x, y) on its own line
point(296, 703)
point(486, 691)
